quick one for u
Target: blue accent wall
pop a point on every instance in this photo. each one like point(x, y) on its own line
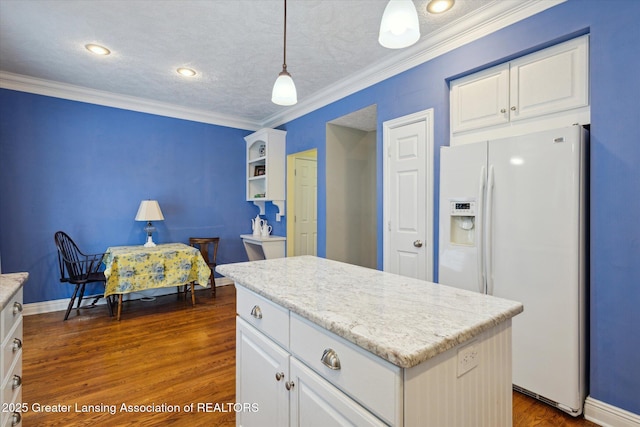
point(84, 169)
point(615, 159)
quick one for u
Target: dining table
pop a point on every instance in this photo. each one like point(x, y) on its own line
point(138, 268)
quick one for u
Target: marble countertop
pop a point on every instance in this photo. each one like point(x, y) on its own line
point(9, 285)
point(403, 320)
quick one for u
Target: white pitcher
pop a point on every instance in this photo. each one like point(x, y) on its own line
point(266, 230)
point(256, 225)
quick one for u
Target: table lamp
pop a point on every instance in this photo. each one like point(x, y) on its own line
point(149, 210)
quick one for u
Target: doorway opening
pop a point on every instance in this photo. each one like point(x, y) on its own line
point(302, 201)
point(351, 188)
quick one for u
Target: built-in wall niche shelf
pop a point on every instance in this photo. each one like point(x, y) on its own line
point(265, 173)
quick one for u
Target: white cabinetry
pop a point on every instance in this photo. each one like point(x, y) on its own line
point(11, 374)
point(261, 362)
point(286, 390)
point(545, 83)
point(316, 402)
point(266, 168)
point(480, 100)
point(300, 374)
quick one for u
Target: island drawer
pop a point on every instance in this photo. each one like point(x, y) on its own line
point(11, 347)
point(373, 382)
point(266, 316)
point(11, 313)
point(11, 389)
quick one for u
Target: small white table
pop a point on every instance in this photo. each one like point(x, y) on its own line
point(259, 247)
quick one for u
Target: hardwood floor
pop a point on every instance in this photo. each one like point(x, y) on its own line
point(163, 353)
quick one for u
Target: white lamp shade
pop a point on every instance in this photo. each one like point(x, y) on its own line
point(399, 26)
point(284, 90)
point(149, 210)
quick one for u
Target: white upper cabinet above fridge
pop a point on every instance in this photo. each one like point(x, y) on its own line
point(544, 85)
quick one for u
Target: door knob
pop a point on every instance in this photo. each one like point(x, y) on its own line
point(417, 243)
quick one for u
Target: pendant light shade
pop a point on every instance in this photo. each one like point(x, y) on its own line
point(399, 27)
point(284, 90)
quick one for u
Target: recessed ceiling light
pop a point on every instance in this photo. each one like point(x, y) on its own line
point(187, 72)
point(97, 49)
point(439, 6)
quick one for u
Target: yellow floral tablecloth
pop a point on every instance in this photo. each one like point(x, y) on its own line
point(136, 268)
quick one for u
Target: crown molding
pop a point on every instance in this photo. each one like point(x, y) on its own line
point(92, 96)
point(489, 19)
point(493, 17)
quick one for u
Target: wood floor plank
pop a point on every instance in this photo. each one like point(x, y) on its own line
point(163, 352)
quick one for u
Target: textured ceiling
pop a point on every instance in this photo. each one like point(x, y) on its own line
point(235, 45)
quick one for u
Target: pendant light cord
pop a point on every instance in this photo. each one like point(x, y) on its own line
point(284, 52)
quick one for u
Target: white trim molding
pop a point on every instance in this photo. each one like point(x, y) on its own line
point(489, 19)
point(607, 415)
point(93, 96)
point(61, 304)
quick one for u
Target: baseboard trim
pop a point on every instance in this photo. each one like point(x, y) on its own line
point(61, 304)
point(607, 415)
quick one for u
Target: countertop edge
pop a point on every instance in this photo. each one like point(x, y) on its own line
point(403, 360)
point(10, 283)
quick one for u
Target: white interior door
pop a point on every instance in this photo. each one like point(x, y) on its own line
point(306, 219)
point(408, 195)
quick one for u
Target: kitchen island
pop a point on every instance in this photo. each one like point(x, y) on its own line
point(333, 343)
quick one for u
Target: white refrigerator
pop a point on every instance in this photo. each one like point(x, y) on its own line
point(512, 225)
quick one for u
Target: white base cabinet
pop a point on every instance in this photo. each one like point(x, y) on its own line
point(296, 373)
point(11, 374)
point(315, 402)
point(260, 360)
point(287, 392)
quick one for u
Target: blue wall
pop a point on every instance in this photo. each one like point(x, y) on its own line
point(57, 154)
point(84, 169)
point(615, 156)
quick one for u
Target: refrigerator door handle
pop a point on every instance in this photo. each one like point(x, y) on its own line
point(480, 229)
point(489, 232)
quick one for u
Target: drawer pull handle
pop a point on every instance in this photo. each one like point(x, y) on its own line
point(289, 385)
point(279, 376)
point(256, 312)
point(330, 359)
point(17, 382)
point(16, 418)
point(17, 344)
point(17, 308)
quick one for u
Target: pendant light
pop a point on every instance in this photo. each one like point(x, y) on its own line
point(399, 26)
point(284, 90)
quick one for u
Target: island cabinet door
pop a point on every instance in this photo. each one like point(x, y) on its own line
point(262, 368)
point(315, 402)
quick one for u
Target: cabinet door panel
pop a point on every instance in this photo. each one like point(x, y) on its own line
point(480, 100)
point(552, 80)
point(315, 402)
point(258, 361)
